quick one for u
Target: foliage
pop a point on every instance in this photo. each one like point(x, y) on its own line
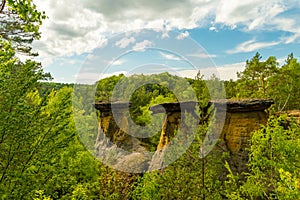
point(230, 88)
point(286, 91)
point(39, 148)
point(184, 178)
point(104, 87)
point(41, 196)
point(274, 164)
point(143, 91)
point(19, 23)
point(42, 156)
point(268, 176)
point(264, 79)
point(200, 87)
point(253, 81)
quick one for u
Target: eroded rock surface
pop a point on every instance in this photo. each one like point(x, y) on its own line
point(124, 151)
point(114, 146)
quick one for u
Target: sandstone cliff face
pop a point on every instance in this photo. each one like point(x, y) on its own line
point(242, 118)
point(235, 131)
point(238, 128)
point(114, 146)
point(123, 151)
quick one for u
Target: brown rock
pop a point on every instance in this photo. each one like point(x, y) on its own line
point(242, 118)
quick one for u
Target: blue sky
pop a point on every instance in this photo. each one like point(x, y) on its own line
point(83, 41)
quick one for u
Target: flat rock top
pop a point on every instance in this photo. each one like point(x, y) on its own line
point(246, 105)
point(107, 106)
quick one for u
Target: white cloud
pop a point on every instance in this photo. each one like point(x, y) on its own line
point(252, 45)
point(91, 78)
point(229, 71)
point(116, 62)
point(165, 34)
point(183, 35)
point(76, 26)
point(290, 39)
point(71, 35)
point(169, 56)
point(140, 46)
point(124, 42)
point(260, 15)
point(212, 28)
point(231, 12)
point(202, 55)
point(265, 16)
point(281, 61)
point(224, 72)
point(91, 57)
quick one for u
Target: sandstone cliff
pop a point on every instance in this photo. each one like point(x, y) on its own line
point(125, 152)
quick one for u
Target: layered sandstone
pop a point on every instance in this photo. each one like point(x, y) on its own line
point(234, 120)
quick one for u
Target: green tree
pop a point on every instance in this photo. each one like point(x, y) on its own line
point(19, 23)
point(189, 177)
point(32, 128)
point(273, 164)
point(230, 88)
point(200, 87)
point(105, 87)
point(215, 87)
point(39, 148)
point(41, 157)
point(285, 85)
point(253, 81)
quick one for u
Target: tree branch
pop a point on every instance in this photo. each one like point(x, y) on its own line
point(2, 5)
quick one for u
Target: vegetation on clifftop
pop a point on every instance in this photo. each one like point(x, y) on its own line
point(42, 156)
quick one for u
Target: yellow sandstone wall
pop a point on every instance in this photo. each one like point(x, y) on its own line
point(242, 118)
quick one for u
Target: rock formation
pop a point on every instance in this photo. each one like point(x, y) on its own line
point(114, 146)
point(123, 151)
point(291, 115)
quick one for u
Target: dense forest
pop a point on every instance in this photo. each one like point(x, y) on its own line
point(42, 156)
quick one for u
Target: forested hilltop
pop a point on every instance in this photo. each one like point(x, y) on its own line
point(261, 79)
point(42, 155)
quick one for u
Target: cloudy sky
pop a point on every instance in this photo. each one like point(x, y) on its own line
point(89, 39)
